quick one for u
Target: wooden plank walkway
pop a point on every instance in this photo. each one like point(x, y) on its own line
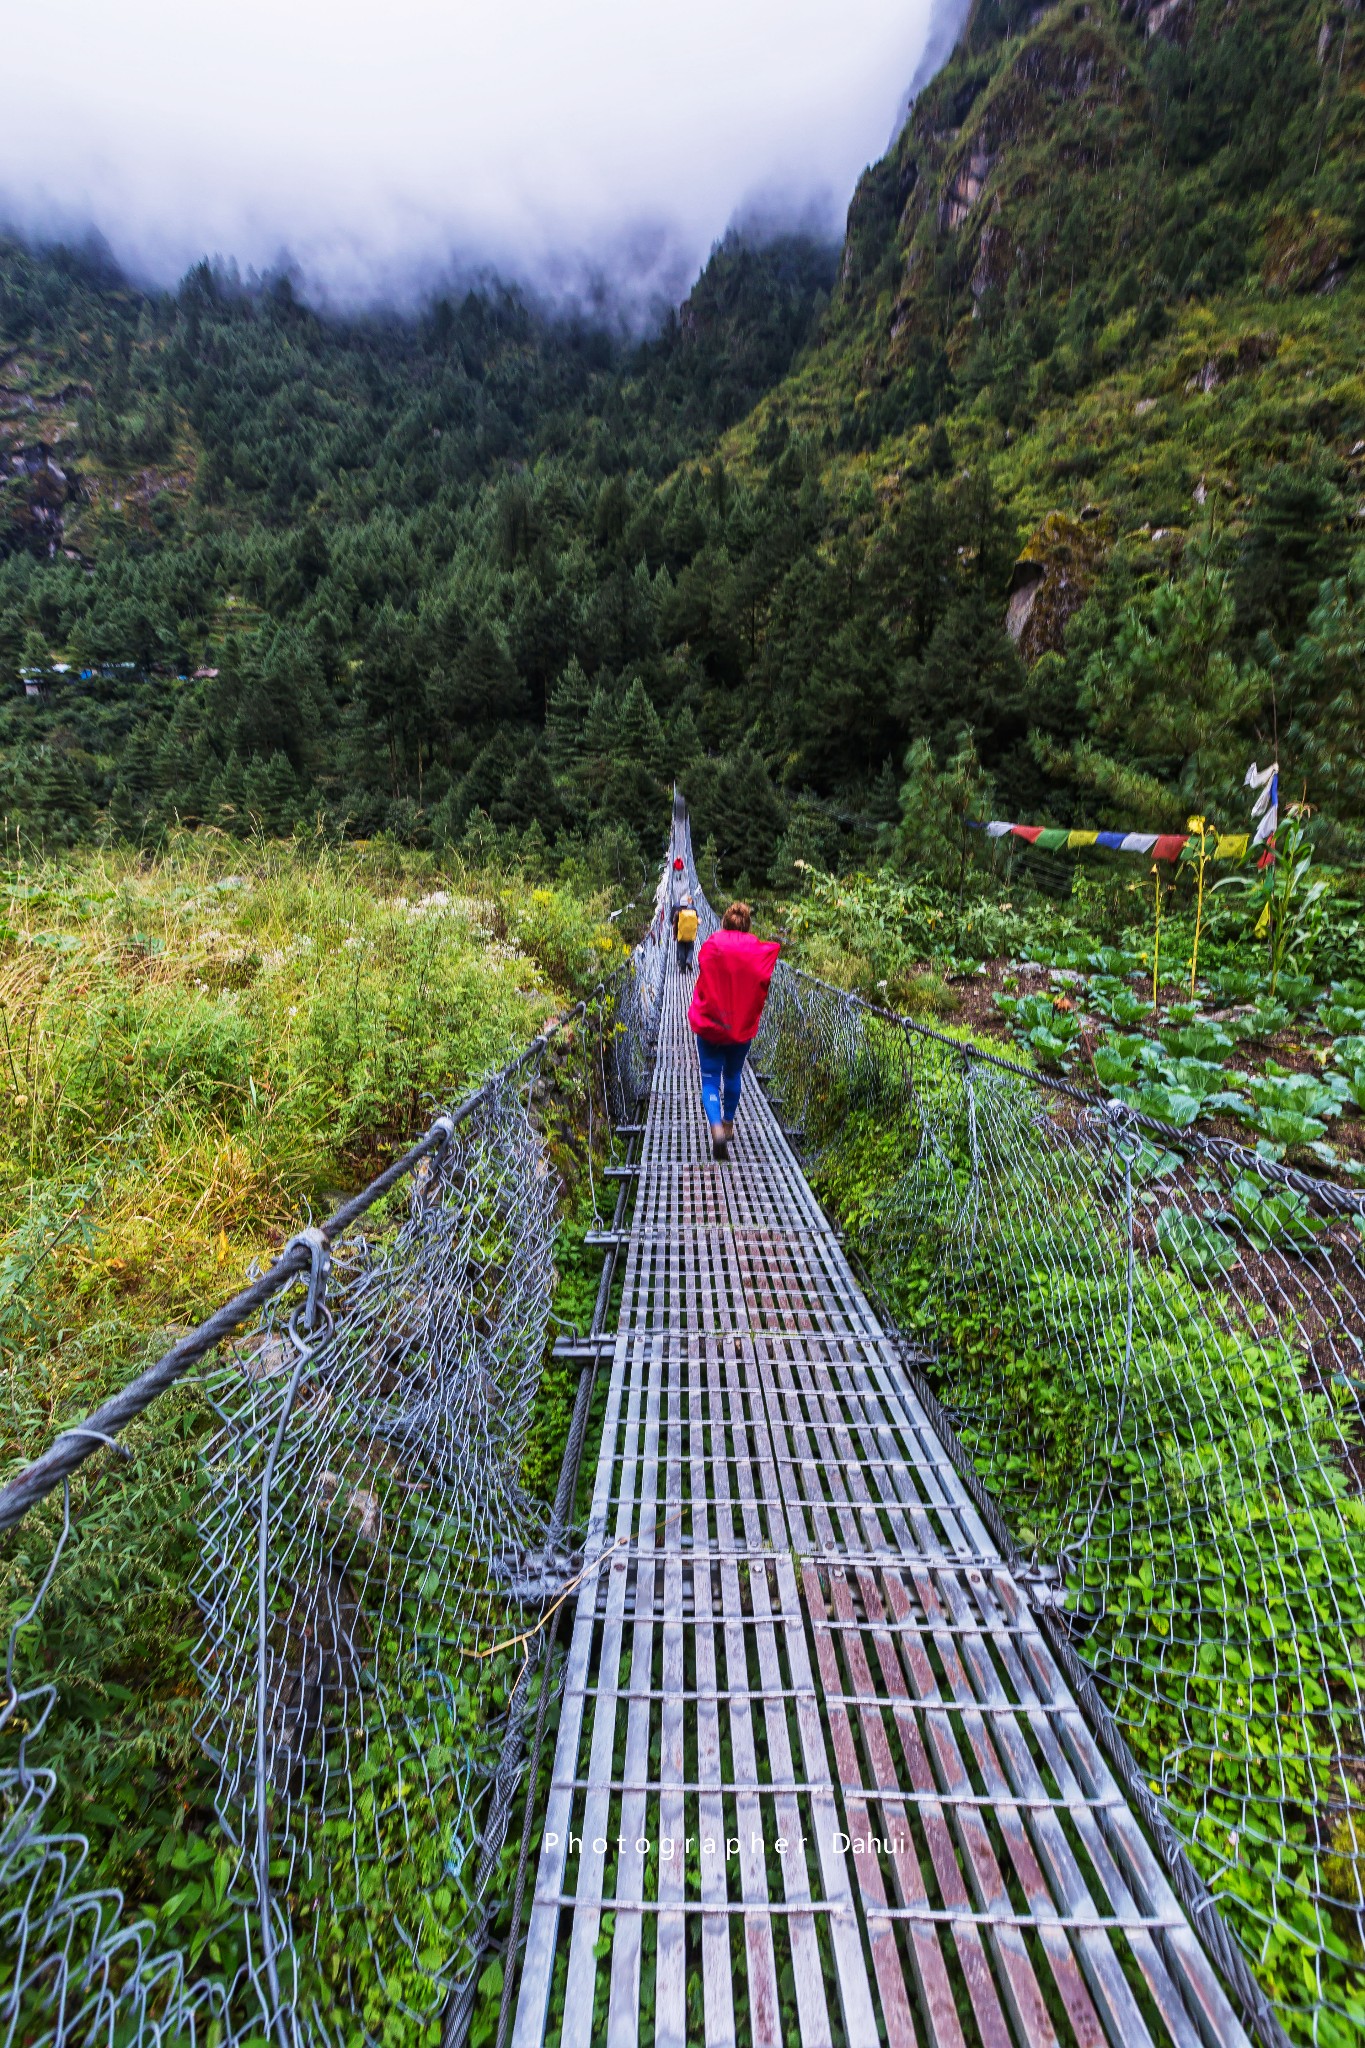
point(817, 1776)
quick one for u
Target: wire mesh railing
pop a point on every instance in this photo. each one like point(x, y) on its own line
point(1152, 1345)
point(363, 1614)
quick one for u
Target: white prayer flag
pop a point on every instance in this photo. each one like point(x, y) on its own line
point(1266, 782)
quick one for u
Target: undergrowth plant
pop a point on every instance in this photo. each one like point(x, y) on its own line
point(196, 1053)
point(1211, 1574)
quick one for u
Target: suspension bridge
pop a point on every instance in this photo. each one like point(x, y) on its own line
point(794, 1744)
point(817, 1775)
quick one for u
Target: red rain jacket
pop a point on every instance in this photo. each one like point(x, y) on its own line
point(733, 973)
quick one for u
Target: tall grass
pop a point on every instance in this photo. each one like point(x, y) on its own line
point(197, 1050)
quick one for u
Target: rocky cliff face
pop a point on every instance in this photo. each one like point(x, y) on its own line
point(34, 491)
point(985, 142)
point(65, 478)
point(1090, 264)
point(36, 480)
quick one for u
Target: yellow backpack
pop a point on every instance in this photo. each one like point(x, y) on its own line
point(687, 924)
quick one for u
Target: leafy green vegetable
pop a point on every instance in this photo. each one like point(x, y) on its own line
point(1272, 1218)
point(1112, 1069)
point(1234, 984)
point(1197, 1243)
point(1171, 1105)
point(1197, 1077)
point(1119, 1004)
point(1342, 1019)
point(1197, 1039)
point(1266, 1019)
point(1286, 1126)
point(1279, 1089)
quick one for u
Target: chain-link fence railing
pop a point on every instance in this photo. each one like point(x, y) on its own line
point(1152, 1345)
point(365, 1631)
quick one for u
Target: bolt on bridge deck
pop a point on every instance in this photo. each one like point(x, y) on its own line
point(817, 1777)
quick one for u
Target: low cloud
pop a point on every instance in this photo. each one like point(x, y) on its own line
point(592, 149)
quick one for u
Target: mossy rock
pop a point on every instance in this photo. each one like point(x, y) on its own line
point(1052, 579)
point(1304, 250)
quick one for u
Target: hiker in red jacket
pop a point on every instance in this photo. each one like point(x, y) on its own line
point(733, 972)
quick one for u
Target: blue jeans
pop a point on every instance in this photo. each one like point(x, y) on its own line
point(722, 1075)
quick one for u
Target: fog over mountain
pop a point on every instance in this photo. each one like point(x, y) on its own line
point(377, 148)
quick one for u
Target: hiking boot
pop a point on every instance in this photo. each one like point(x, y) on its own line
point(720, 1143)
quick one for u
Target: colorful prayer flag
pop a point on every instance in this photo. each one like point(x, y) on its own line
point(1266, 781)
point(1160, 845)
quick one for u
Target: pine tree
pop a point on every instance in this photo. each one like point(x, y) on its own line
point(634, 791)
point(937, 806)
point(745, 813)
point(809, 841)
point(528, 796)
point(481, 843)
point(125, 815)
point(483, 685)
point(1322, 694)
point(599, 744)
point(639, 734)
point(271, 794)
point(227, 799)
point(684, 748)
point(59, 803)
point(533, 854)
point(684, 527)
point(138, 764)
point(567, 718)
point(883, 799)
point(34, 660)
point(479, 789)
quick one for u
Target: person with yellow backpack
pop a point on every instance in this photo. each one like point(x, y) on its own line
point(685, 932)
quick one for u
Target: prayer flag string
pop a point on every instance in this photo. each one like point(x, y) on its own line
point(1156, 845)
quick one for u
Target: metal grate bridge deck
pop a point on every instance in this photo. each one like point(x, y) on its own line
point(817, 1777)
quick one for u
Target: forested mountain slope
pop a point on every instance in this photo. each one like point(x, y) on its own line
point(1059, 493)
point(1112, 264)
